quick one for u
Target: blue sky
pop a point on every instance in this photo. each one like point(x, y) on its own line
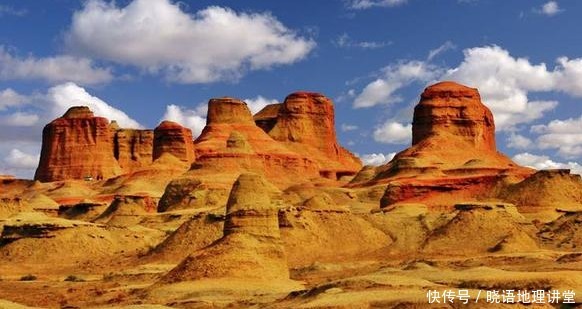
point(142, 61)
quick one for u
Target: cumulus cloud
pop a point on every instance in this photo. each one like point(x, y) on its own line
point(11, 98)
point(21, 129)
point(384, 89)
point(20, 160)
point(64, 96)
point(19, 119)
point(366, 4)
point(376, 158)
point(52, 69)
point(518, 141)
point(392, 132)
point(503, 80)
point(550, 8)
point(258, 103)
point(563, 135)
point(194, 119)
point(157, 36)
point(544, 162)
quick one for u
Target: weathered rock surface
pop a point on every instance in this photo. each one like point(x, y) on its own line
point(251, 247)
point(305, 123)
point(172, 138)
point(76, 146)
point(231, 142)
point(453, 153)
point(133, 149)
point(82, 146)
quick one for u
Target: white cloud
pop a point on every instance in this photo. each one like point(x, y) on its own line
point(64, 96)
point(392, 132)
point(446, 46)
point(518, 141)
point(345, 127)
point(194, 119)
point(21, 130)
point(19, 119)
point(345, 41)
point(393, 78)
point(11, 98)
point(544, 162)
point(376, 158)
point(52, 69)
point(258, 103)
point(504, 83)
point(17, 159)
point(366, 4)
point(563, 135)
point(213, 44)
point(550, 8)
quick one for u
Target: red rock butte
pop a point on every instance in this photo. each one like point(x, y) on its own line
point(305, 123)
point(301, 143)
point(80, 145)
point(453, 149)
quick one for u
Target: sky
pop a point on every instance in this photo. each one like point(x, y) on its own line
point(143, 61)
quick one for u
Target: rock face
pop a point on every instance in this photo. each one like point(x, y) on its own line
point(81, 146)
point(232, 143)
point(76, 146)
point(448, 108)
point(453, 152)
point(305, 123)
point(172, 138)
point(251, 247)
point(448, 118)
point(133, 148)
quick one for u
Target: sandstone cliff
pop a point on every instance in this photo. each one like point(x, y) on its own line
point(76, 146)
point(305, 123)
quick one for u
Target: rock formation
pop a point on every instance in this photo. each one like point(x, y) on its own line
point(76, 146)
point(132, 148)
point(82, 146)
point(172, 138)
point(231, 141)
point(305, 123)
point(251, 247)
point(453, 153)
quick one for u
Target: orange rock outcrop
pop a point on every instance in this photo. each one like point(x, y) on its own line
point(453, 153)
point(133, 148)
point(232, 142)
point(79, 145)
point(76, 146)
point(172, 138)
point(305, 123)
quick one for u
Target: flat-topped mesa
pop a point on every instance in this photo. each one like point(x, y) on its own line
point(170, 137)
point(78, 112)
point(453, 153)
point(305, 123)
point(228, 110)
point(448, 108)
point(452, 131)
point(76, 146)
